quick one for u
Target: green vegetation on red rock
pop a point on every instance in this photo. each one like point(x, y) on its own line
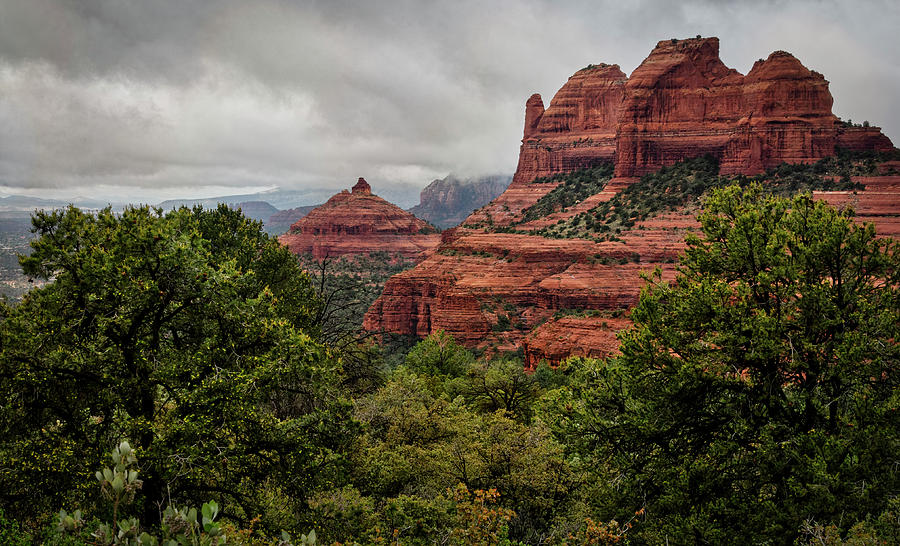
point(572, 188)
point(683, 184)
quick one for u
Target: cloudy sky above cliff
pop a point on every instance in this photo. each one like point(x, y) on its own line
point(140, 100)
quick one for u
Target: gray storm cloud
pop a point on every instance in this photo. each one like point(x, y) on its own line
point(191, 97)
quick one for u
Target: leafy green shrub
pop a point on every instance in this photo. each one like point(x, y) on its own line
point(179, 527)
point(11, 533)
point(503, 324)
point(439, 355)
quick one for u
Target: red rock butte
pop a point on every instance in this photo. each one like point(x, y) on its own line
point(359, 222)
point(489, 287)
point(682, 102)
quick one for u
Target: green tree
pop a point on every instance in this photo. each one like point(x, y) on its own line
point(759, 390)
point(439, 355)
point(500, 385)
point(418, 441)
point(191, 332)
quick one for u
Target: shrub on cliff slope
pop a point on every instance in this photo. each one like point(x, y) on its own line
point(572, 188)
point(759, 391)
point(681, 186)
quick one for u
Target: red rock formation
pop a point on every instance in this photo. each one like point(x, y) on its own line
point(683, 102)
point(861, 139)
point(361, 187)
point(680, 103)
point(579, 127)
point(475, 277)
point(558, 339)
point(359, 222)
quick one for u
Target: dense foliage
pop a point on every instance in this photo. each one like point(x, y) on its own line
point(191, 333)
point(755, 400)
point(759, 391)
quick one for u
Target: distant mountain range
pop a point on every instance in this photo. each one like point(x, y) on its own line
point(23, 203)
point(444, 202)
point(279, 199)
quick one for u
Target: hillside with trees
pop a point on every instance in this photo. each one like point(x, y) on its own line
point(753, 401)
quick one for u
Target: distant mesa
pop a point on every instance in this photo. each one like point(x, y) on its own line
point(359, 222)
point(257, 210)
point(281, 221)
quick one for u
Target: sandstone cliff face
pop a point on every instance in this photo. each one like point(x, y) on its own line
point(448, 201)
point(488, 286)
point(359, 222)
point(557, 340)
point(683, 102)
point(579, 127)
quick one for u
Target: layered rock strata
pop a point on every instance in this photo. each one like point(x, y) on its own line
point(487, 286)
point(358, 222)
point(683, 102)
point(558, 339)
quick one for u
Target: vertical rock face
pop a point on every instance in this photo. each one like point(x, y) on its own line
point(683, 102)
point(534, 110)
point(358, 222)
point(577, 129)
point(788, 118)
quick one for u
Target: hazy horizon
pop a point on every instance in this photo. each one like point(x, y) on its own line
point(187, 99)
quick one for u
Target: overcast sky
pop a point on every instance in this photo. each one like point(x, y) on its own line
point(145, 100)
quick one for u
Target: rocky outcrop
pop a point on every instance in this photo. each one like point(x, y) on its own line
point(447, 202)
point(579, 127)
point(861, 139)
point(358, 222)
point(477, 277)
point(489, 285)
point(558, 339)
point(683, 102)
